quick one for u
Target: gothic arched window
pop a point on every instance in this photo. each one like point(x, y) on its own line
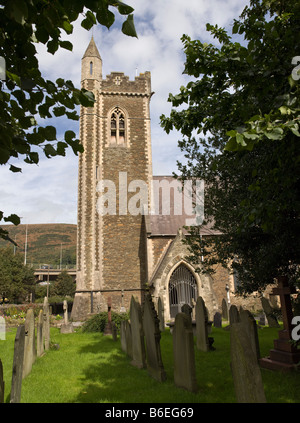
point(182, 289)
point(117, 127)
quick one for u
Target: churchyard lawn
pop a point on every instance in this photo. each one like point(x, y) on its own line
point(90, 367)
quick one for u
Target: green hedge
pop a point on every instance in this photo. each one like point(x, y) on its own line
point(98, 322)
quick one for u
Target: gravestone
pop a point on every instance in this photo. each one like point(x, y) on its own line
point(225, 309)
point(184, 354)
point(2, 329)
point(46, 323)
point(218, 320)
point(234, 316)
point(137, 335)
point(29, 348)
point(17, 370)
point(2, 384)
point(201, 325)
point(128, 338)
point(187, 309)
point(272, 320)
point(123, 336)
point(114, 331)
point(250, 326)
point(245, 370)
point(161, 314)
point(152, 336)
point(66, 327)
point(40, 335)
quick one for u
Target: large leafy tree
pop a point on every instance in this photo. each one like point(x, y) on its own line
point(240, 121)
point(25, 94)
point(16, 280)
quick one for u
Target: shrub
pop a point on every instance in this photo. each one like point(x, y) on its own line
point(98, 322)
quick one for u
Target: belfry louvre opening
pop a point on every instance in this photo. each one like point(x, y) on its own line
point(182, 289)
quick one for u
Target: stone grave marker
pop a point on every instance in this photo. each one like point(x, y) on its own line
point(29, 348)
point(245, 370)
point(137, 334)
point(224, 309)
point(218, 320)
point(201, 325)
point(184, 355)
point(46, 323)
point(66, 327)
point(250, 326)
point(2, 384)
point(234, 316)
point(155, 365)
point(17, 370)
point(161, 314)
point(40, 335)
point(128, 338)
point(123, 336)
point(272, 320)
point(2, 329)
point(114, 331)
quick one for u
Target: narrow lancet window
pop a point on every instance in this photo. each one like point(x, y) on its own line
point(117, 127)
point(91, 68)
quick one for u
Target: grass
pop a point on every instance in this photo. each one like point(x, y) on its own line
point(92, 368)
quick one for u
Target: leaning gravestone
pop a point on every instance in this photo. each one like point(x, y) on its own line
point(272, 320)
point(155, 365)
point(161, 315)
point(184, 355)
point(218, 320)
point(128, 338)
point(224, 309)
point(17, 371)
point(29, 348)
point(201, 325)
point(234, 316)
point(66, 327)
point(1, 384)
point(46, 323)
point(40, 335)
point(250, 327)
point(138, 345)
point(245, 370)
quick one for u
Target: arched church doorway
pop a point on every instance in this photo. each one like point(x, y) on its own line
point(182, 289)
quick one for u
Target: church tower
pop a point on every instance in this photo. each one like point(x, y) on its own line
point(115, 164)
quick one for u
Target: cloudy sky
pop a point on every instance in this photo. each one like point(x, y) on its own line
point(47, 193)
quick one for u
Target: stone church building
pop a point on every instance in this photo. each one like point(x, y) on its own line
point(123, 247)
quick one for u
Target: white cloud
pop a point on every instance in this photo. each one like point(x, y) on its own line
point(48, 193)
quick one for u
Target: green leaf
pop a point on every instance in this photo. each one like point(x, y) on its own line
point(69, 135)
point(50, 133)
point(18, 10)
point(66, 44)
point(128, 27)
point(104, 16)
point(15, 169)
point(49, 150)
point(67, 27)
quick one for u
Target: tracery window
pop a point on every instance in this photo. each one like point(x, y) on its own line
point(117, 127)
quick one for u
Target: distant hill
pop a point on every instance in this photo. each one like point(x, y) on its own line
point(44, 242)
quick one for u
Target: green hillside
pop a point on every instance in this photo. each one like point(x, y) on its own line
point(45, 242)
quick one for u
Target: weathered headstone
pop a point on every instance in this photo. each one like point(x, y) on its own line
point(161, 314)
point(46, 323)
point(152, 336)
point(224, 309)
point(123, 335)
point(184, 355)
point(234, 316)
point(218, 320)
point(29, 349)
point(2, 384)
point(40, 335)
point(201, 325)
point(17, 371)
point(66, 327)
point(114, 331)
point(187, 309)
point(245, 370)
point(272, 320)
point(250, 327)
point(137, 334)
point(128, 338)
